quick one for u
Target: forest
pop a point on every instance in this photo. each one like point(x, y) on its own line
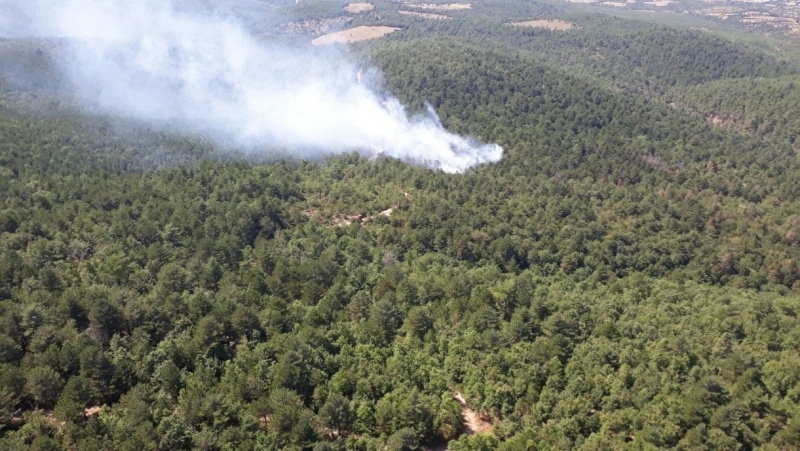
point(627, 277)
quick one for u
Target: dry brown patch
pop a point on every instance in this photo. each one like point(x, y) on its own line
point(440, 7)
point(474, 423)
point(50, 417)
point(264, 421)
point(346, 220)
point(425, 15)
point(555, 24)
point(357, 8)
point(356, 34)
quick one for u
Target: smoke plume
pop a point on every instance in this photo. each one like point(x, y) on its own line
point(202, 72)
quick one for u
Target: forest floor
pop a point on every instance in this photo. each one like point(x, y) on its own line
point(473, 422)
point(361, 33)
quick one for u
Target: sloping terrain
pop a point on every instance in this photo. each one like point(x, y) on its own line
point(626, 277)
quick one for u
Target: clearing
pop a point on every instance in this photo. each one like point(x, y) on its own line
point(356, 34)
point(357, 8)
point(425, 15)
point(550, 24)
point(718, 120)
point(473, 422)
point(440, 7)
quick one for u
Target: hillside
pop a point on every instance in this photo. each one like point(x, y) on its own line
point(626, 276)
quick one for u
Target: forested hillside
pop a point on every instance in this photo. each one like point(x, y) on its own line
point(625, 278)
point(764, 106)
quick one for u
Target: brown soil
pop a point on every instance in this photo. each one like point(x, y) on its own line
point(356, 34)
point(346, 220)
point(357, 8)
point(555, 24)
point(474, 423)
point(50, 417)
point(440, 7)
point(425, 15)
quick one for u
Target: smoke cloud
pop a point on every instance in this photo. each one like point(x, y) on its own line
point(201, 72)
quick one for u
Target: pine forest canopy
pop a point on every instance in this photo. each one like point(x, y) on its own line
point(626, 277)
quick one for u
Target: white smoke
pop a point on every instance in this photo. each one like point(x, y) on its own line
point(204, 73)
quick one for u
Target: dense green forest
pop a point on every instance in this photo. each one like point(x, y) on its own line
point(626, 277)
point(764, 106)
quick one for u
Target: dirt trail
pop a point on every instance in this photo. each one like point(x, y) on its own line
point(472, 421)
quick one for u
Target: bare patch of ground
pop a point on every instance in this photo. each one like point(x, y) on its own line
point(356, 34)
point(346, 220)
point(50, 417)
point(656, 162)
point(440, 7)
point(718, 120)
point(358, 8)
point(425, 15)
point(474, 423)
point(554, 24)
point(264, 421)
point(659, 2)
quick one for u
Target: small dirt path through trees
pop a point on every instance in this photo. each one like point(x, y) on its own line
point(473, 422)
